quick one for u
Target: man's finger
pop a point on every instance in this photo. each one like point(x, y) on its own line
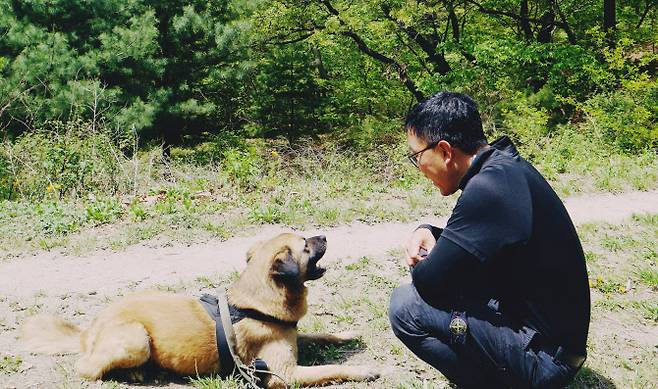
point(412, 261)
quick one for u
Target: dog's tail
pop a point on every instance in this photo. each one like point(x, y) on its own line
point(50, 335)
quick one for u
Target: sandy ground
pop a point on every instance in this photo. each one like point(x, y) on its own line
point(78, 286)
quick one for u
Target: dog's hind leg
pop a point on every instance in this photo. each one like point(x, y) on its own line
point(324, 374)
point(114, 346)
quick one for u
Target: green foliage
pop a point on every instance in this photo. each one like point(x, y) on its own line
point(6, 174)
point(71, 158)
point(159, 68)
point(192, 72)
point(242, 165)
point(525, 123)
point(627, 118)
point(650, 277)
point(649, 309)
point(371, 131)
point(210, 151)
point(101, 211)
point(289, 97)
point(137, 212)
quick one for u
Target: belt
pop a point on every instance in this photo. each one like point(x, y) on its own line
point(559, 353)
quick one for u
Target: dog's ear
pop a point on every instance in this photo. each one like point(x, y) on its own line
point(252, 250)
point(285, 268)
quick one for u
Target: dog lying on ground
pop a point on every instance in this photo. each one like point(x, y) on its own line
point(176, 333)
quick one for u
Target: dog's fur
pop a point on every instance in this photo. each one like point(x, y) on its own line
point(175, 332)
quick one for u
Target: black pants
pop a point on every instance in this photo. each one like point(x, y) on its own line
point(493, 354)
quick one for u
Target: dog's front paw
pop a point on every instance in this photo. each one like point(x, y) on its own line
point(88, 370)
point(348, 336)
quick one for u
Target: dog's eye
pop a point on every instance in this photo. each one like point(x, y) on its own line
point(306, 249)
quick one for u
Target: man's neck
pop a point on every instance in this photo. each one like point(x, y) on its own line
point(463, 161)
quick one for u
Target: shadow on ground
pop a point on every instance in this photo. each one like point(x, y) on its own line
point(309, 354)
point(319, 354)
point(146, 375)
point(590, 379)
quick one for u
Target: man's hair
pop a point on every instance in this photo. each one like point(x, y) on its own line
point(448, 116)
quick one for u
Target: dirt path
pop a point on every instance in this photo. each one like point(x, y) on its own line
point(103, 272)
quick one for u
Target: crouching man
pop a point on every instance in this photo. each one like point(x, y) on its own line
point(499, 297)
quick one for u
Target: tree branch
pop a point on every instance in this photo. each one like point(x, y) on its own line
point(565, 24)
point(400, 69)
point(644, 14)
point(428, 45)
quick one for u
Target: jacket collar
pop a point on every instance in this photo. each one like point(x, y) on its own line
point(503, 144)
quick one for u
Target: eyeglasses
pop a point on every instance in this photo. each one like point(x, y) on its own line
point(415, 157)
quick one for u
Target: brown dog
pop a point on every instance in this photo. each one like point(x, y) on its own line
point(175, 332)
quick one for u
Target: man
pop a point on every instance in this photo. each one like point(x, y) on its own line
point(502, 298)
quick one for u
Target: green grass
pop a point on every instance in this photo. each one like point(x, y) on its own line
point(216, 383)
point(10, 364)
point(189, 202)
point(624, 308)
point(311, 185)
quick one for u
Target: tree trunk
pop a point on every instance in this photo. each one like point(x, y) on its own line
point(609, 16)
point(546, 28)
point(525, 23)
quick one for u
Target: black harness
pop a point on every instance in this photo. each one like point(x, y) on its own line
point(228, 360)
point(238, 314)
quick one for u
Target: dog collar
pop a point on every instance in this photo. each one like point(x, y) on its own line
point(238, 314)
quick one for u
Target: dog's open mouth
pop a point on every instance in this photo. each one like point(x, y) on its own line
point(313, 272)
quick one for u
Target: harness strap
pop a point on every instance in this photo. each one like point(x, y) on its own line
point(255, 373)
point(238, 314)
point(226, 356)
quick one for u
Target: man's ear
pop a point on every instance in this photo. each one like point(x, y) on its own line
point(252, 250)
point(285, 268)
point(446, 150)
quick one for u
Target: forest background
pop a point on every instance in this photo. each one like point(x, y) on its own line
point(139, 110)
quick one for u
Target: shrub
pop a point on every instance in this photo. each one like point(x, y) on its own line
point(6, 176)
point(242, 165)
point(373, 130)
point(525, 123)
point(211, 150)
point(628, 117)
point(57, 218)
point(103, 211)
point(65, 159)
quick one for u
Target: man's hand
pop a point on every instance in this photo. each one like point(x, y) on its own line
point(422, 238)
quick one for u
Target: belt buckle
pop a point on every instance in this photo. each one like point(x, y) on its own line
point(458, 327)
